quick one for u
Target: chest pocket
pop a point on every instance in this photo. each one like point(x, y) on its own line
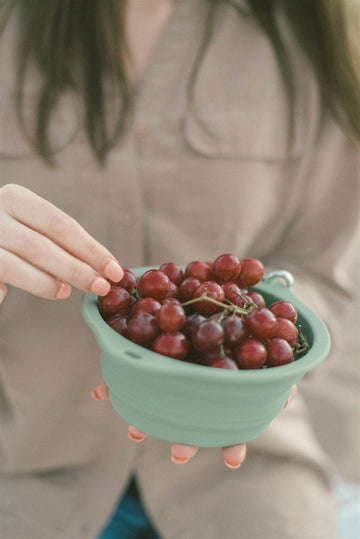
point(238, 106)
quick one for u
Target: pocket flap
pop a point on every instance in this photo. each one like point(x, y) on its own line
point(238, 106)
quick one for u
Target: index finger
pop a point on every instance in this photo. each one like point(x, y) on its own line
point(44, 217)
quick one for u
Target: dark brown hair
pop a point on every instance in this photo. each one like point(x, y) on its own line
point(81, 44)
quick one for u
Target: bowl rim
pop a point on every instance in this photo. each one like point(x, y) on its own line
point(128, 351)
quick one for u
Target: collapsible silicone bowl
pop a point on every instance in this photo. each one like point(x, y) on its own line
point(194, 404)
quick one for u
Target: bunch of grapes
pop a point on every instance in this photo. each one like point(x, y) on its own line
point(206, 315)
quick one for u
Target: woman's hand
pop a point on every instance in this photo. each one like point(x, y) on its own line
point(45, 251)
point(233, 455)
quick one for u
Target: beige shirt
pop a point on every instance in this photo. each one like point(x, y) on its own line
point(189, 181)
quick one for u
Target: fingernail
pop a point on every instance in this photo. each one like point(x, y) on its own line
point(135, 435)
point(95, 395)
point(134, 438)
point(183, 453)
point(179, 460)
point(234, 455)
point(287, 402)
point(292, 396)
point(64, 291)
point(100, 286)
point(233, 464)
point(113, 271)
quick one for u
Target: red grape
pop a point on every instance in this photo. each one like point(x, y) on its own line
point(171, 299)
point(154, 284)
point(256, 298)
point(231, 290)
point(252, 271)
point(145, 305)
point(234, 329)
point(250, 354)
point(287, 330)
point(191, 323)
point(198, 270)
point(143, 329)
point(117, 301)
point(119, 323)
point(240, 301)
point(212, 290)
point(285, 309)
point(207, 358)
point(170, 317)
point(128, 281)
point(174, 345)
point(261, 323)
point(225, 363)
point(208, 335)
point(187, 288)
point(279, 352)
point(226, 268)
point(173, 291)
point(173, 271)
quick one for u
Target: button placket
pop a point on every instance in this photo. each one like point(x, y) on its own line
point(163, 84)
point(170, 65)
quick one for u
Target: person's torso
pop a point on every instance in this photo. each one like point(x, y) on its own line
point(204, 169)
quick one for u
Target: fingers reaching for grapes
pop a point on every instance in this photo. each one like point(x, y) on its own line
point(292, 395)
point(44, 251)
point(234, 455)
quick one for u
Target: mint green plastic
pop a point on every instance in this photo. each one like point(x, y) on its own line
point(192, 404)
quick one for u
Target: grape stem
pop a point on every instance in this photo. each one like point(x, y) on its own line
point(302, 346)
point(231, 308)
point(247, 303)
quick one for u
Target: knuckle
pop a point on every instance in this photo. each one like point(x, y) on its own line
point(61, 225)
point(93, 249)
point(9, 192)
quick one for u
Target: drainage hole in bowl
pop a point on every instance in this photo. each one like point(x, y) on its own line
point(132, 354)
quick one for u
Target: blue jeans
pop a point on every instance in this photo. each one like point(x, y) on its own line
point(129, 519)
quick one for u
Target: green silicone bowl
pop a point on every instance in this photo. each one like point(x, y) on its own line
point(192, 404)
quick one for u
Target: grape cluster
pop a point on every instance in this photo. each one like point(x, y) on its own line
point(205, 315)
